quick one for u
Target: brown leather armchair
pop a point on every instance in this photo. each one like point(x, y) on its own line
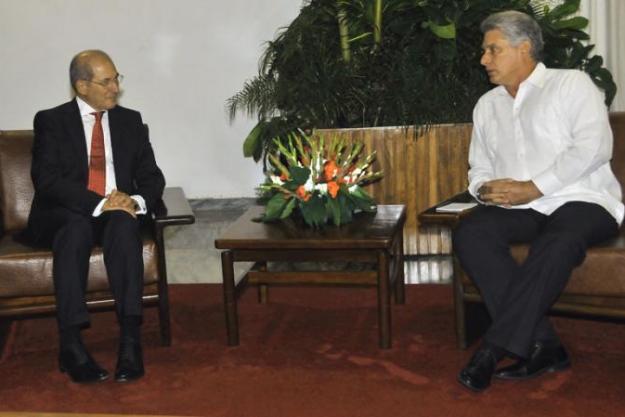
point(26, 286)
point(596, 288)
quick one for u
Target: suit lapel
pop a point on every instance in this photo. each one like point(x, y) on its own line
point(118, 133)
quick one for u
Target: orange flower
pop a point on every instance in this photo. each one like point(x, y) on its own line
point(284, 177)
point(333, 188)
point(301, 193)
point(330, 169)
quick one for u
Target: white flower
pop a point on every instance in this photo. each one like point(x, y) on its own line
point(352, 188)
point(276, 179)
point(322, 188)
point(309, 185)
point(319, 161)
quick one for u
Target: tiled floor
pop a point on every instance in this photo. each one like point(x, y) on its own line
point(192, 257)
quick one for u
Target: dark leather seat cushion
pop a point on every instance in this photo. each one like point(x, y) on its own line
point(28, 272)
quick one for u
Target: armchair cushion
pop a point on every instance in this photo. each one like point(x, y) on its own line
point(27, 272)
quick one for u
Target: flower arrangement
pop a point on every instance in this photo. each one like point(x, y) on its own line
point(321, 178)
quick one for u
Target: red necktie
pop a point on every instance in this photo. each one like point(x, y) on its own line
point(97, 163)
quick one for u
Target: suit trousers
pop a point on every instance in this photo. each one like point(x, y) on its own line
point(73, 236)
point(519, 296)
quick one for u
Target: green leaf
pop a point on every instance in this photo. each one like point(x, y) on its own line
point(594, 64)
point(252, 142)
point(443, 31)
point(577, 23)
point(314, 211)
point(299, 174)
point(362, 200)
point(289, 208)
point(275, 207)
point(345, 204)
point(334, 209)
point(565, 9)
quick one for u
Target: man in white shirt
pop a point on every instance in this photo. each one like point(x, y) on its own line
point(94, 172)
point(539, 163)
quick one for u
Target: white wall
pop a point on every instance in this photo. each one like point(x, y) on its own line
point(181, 60)
point(607, 32)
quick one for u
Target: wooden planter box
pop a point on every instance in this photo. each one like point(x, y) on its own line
point(418, 172)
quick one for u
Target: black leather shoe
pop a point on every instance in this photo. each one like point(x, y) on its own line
point(542, 359)
point(477, 374)
point(79, 365)
point(129, 362)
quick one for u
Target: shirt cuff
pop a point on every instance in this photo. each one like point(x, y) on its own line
point(142, 209)
point(473, 189)
point(98, 209)
point(547, 182)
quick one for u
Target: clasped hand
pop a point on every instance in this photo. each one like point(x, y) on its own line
point(118, 200)
point(508, 192)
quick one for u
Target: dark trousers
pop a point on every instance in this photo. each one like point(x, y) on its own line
point(72, 237)
point(518, 296)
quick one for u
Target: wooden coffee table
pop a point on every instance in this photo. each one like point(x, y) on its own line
point(375, 238)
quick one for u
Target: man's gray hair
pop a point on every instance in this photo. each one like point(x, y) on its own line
point(80, 67)
point(517, 27)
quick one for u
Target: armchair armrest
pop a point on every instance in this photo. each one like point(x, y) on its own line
point(173, 209)
point(432, 217)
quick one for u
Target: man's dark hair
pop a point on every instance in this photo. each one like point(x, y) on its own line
point(517, 27)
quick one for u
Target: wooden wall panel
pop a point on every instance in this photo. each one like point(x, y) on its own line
point(418, 172)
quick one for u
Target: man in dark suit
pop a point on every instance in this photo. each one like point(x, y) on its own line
point(94, 172)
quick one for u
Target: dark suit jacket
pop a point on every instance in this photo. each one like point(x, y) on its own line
point(60, 168)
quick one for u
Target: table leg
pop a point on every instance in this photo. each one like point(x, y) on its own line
point(384, 300)
point(263, 289)
point(230, 302)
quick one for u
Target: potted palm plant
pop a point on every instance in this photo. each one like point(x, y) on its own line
point(364, 65)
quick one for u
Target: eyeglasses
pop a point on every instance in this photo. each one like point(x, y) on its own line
point(107, 82)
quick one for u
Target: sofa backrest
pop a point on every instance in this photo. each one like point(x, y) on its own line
point(617, 122)
point(16, 187)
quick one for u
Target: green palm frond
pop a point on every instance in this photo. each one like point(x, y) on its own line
point(312, 77)
point(255, 99)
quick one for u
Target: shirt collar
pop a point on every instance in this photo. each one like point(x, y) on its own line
point(537, 77)
point(84, 108)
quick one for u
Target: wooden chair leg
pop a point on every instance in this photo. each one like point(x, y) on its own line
point(472, 318)
point(164, 320)
point(5, 333)
point(163, 290)
point(400, 278)
point(460, 312)
point(263, 289)
point(476, 322)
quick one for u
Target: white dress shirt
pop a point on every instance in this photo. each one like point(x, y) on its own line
point(88, 120)
point(555, 132)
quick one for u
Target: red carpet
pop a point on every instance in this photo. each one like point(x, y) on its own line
point(310, 352)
